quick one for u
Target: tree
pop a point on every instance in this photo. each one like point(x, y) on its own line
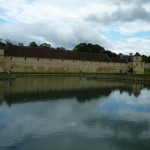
point(45, 45)
point(60, 48)
point(84, 47)
point(111, 54)
point(33, 44)
point(2, 44)
point(20, 44)
point(94, 48)
point(8, 42)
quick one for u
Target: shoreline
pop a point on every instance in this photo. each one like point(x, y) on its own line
point(120, 77)
point(92, 76)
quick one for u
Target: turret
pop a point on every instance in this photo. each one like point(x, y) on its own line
point(137, 64)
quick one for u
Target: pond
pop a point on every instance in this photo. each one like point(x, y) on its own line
point(73, 113)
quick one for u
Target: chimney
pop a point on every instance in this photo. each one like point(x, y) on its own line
point(131, 55)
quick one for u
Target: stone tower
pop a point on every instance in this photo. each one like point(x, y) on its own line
point(137, 65)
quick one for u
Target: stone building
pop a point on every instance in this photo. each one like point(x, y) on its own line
point(44, 60)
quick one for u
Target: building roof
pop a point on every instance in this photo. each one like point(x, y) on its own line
point(18, 51)
point(119, 60)
point(36, 52)
point(137, 54)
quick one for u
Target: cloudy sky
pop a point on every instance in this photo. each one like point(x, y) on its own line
point(121, 26)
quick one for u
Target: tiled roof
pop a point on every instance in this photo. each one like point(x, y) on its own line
point(119, 60)
point(18, 51)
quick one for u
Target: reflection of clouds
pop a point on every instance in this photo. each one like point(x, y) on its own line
point(132, 108)
point(43, 118)
point(145, 134)
point(141, 99)
point(93, 119)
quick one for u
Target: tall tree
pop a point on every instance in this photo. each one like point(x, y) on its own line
point(94, 48)
point(61, 48)
point(33, 44)
point(20, 44)
point(8, 42)
point(84, 47)
point(45, 45)
point(2, 44)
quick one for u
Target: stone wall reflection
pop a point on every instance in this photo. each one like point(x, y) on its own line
point(46, 88)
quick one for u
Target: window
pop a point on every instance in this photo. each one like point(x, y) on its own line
point(25, 58)
point(62, 60)
point(38, 59)
point(136, 58)
point(136, 64)
point(25, 67)
point(11, 58)
point(73, 61)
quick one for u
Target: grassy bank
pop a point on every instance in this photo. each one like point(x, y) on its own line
point(2, 74)
point(17, 74)
point(147, 71)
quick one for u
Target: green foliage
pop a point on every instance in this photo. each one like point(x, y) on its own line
point(84, 47)
point(45, 45)
point(60, 48)
point(20, 44)
point(146, 58)
point(94, 48)
point(147, 71)
point(2, 44)
point(8, 42)
point(111, 54)
point(33, 44)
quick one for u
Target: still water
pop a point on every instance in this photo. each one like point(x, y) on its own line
point(72, 113)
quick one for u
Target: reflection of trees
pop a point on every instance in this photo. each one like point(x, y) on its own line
point(81, 95)
point(42, 89)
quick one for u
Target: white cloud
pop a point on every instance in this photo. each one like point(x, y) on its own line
point(69, 22)
point(133, 27)
point(133, 45)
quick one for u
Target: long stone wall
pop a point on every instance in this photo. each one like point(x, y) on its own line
point(23, 64)
point(45, 65)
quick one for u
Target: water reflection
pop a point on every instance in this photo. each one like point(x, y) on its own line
point(34, 89)
point(70, 113)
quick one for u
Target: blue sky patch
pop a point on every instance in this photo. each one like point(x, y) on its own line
point(2, 21)
point(116, 36)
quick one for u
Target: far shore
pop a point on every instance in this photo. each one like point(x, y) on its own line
point(91, 76)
